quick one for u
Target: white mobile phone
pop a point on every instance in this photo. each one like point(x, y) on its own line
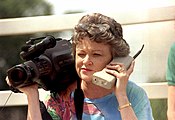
point(106, 80)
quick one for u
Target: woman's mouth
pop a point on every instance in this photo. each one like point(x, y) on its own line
point(86, 70)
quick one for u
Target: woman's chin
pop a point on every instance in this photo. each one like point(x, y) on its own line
point(86, 78)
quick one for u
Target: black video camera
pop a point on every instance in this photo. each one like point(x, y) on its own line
point(49, 63)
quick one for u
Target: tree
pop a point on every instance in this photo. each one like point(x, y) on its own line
point(10, 45)
point(24, 8)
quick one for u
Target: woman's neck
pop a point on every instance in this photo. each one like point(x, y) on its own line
point(93, 91)
point(66, 94)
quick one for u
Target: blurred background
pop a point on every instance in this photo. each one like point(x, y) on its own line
point(156, 36)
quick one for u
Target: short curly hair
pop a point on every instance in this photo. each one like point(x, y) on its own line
point(101, 29)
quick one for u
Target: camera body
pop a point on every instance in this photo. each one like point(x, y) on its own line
point(48, 63)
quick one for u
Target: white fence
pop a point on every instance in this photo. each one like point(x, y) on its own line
point(28, 25)
point(154, 91)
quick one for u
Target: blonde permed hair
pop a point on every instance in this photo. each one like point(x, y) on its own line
point(101, 29)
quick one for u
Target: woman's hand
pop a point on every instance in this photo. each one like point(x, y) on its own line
point(28, 90)
point(122, 75)
point(33, 100)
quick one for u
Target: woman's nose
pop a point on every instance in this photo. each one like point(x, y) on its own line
point(87, 60)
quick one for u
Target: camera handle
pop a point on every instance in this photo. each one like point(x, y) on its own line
point(32, 50)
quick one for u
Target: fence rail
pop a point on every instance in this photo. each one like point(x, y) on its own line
point(154, 91)
point(53, 23)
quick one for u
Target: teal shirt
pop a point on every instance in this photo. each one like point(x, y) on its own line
point(105, 108)
point(170, 71)
point(108, 105)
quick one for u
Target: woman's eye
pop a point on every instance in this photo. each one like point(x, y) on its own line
point(97, 54)
point(81, 54)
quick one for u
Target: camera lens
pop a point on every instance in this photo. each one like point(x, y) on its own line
point(18, 75)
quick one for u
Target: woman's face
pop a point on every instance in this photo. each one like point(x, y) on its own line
point(91, 57)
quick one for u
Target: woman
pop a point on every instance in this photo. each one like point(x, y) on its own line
point(97, 39)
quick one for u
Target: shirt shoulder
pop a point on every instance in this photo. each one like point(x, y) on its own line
point(170, 74)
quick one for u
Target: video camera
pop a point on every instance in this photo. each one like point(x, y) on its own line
point(49, 63)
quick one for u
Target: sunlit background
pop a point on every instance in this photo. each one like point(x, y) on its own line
point(61, 6)
point(157, 36)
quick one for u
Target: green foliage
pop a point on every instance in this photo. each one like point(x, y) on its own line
point(24, 8)
point(10, 46)
point(159, 108)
